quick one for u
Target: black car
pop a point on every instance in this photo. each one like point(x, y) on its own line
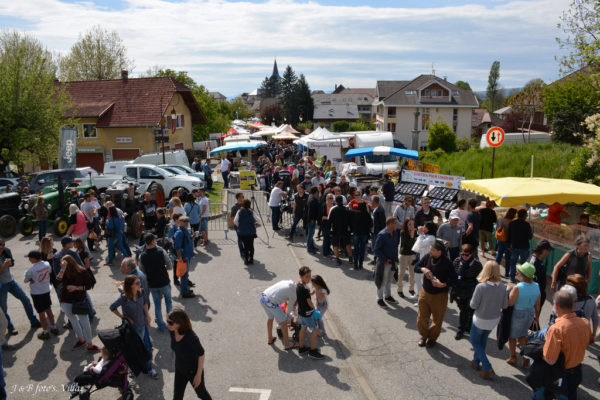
point(39, 180)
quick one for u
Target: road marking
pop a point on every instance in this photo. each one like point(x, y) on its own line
point(264, 393)
point(333, 332)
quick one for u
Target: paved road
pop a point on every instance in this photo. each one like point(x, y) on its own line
point(370, 353)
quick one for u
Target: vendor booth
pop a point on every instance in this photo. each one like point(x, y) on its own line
point(514, 192)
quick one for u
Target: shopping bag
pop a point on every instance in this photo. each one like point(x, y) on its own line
point(181, 268)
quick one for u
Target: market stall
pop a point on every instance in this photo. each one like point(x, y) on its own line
point(514, 192)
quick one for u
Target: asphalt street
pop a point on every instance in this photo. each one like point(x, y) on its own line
point(370, 353)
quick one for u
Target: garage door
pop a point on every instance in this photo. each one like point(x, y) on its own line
point(125, 154)
point(94, 160)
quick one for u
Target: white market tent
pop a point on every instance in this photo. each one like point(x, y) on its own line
point(285, 136)
point(323, 138)
point(237, 138)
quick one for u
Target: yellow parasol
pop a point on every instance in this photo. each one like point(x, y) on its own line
point(511, 192)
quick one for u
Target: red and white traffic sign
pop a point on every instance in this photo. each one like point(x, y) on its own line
point(495, 136)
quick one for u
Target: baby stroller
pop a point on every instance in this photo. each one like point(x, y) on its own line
point(113, 374)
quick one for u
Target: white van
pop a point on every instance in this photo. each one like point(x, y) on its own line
point(171, 157)
point(375, 165)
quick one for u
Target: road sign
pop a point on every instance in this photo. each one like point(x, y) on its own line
point(495, 136)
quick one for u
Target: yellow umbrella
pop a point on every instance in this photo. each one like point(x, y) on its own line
point(510, 192)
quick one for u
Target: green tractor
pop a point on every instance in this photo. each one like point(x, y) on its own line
point(56, 201)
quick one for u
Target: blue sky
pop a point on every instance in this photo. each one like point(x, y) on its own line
point(229, 46)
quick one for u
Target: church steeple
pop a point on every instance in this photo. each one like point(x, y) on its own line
point(275, 70)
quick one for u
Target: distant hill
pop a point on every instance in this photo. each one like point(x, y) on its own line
point(505, 91)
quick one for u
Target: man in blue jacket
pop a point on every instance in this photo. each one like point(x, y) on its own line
point(388, 193)
point(386, 251)
point(184, 247)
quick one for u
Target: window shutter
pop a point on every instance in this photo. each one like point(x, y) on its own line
point(182, 124)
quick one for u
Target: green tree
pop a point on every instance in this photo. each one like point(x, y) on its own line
point(179, 76)
point(361, 125)
point(99, 54)
point(270, 87)
point(586, 165)
point(217, 120)
point(567, 104)
point(492, 94)
point(581, 25)
point(289, 101)
point(340, 126)
point(239, 109)
point(304, 101)
point(32, 104)
point(463, 85)
point(441, 136)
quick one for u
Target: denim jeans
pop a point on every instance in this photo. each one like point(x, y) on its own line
point(297, 219)
point(118, 241)
point(326, 240)
point(517, 254)
point(478, 338)
point(275, 212)
point(166, 292)
point(225, 175)
point(310, 232)
point(184, 286)
point(79, 322)
point(14, 289)
point(42, 229)
point(88, 300)
point(360, 247)
point(503, 251)
point(571, 380)
point(240, 245)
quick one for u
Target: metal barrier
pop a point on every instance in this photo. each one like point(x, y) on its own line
point(261, 202)
point(217, 221)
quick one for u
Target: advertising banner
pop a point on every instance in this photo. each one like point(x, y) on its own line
point(68, 145)
point(429, 178)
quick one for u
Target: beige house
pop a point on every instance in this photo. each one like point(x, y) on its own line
point(120, 119)
point(425, 98)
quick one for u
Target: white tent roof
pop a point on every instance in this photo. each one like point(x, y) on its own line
point(285, 136)
point(321, 137)
point(236, 138)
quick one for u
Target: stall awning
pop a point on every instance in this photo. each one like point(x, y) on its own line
point(238, 146)
point(382, 151)
point(511, 192)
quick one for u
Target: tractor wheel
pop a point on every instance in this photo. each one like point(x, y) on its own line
point(25, 226)
point(8, 225)
point(158, 194)
point(60, 226)
point(135, 225)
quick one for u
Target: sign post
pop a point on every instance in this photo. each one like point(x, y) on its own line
point(494, 137)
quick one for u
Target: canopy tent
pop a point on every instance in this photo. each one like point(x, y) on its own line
point(288, 128)
point(321, 137)
point(511, 192)
point(285, 136)
point(238, 146)
point(257, 125)
point(237, 138)
point(382, 151)
point(229, 132)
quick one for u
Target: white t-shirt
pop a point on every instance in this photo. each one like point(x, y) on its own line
point(281, 292)
point(179, 210)
point(317, 180)
point(275, 198)
point(225, 163)
point(40, 274)
point(204, 201)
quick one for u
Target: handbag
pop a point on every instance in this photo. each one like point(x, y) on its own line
point(181, 268)
point(81, 308)
point(92, 235)
point(501, 235)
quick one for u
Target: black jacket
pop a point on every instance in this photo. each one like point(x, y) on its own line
point(313, 210)
point(378, 219)
point(467, 279)
point(133, 349)
point(339, 220)
point(519, 234)
point(360, 222)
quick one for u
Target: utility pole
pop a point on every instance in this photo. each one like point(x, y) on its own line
point(415, 131)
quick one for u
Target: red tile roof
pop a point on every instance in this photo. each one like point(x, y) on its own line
point(129, 102)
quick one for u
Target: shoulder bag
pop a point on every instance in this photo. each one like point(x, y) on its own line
point(501, 235)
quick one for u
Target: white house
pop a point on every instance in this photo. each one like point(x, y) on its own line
point(425, 98)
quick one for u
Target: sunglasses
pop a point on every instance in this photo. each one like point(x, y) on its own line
point(171, 323)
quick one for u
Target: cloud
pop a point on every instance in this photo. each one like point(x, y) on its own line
point(215, 39)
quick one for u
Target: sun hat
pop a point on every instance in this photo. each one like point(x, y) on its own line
point(527, 269)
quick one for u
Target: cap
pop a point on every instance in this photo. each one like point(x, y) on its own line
point(527, 269)
point(454, 214)
point(65, 241)
point(34, 254)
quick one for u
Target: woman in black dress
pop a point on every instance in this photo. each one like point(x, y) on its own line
point(189, 355)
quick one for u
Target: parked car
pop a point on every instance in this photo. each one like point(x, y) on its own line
point(183, 170)
point(40, 180)
point(146, 174)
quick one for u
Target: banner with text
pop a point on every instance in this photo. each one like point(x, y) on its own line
point(68, 144)
point(429, 178)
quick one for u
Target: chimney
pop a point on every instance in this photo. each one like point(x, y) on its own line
point(124, 74)
point(445, 78)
